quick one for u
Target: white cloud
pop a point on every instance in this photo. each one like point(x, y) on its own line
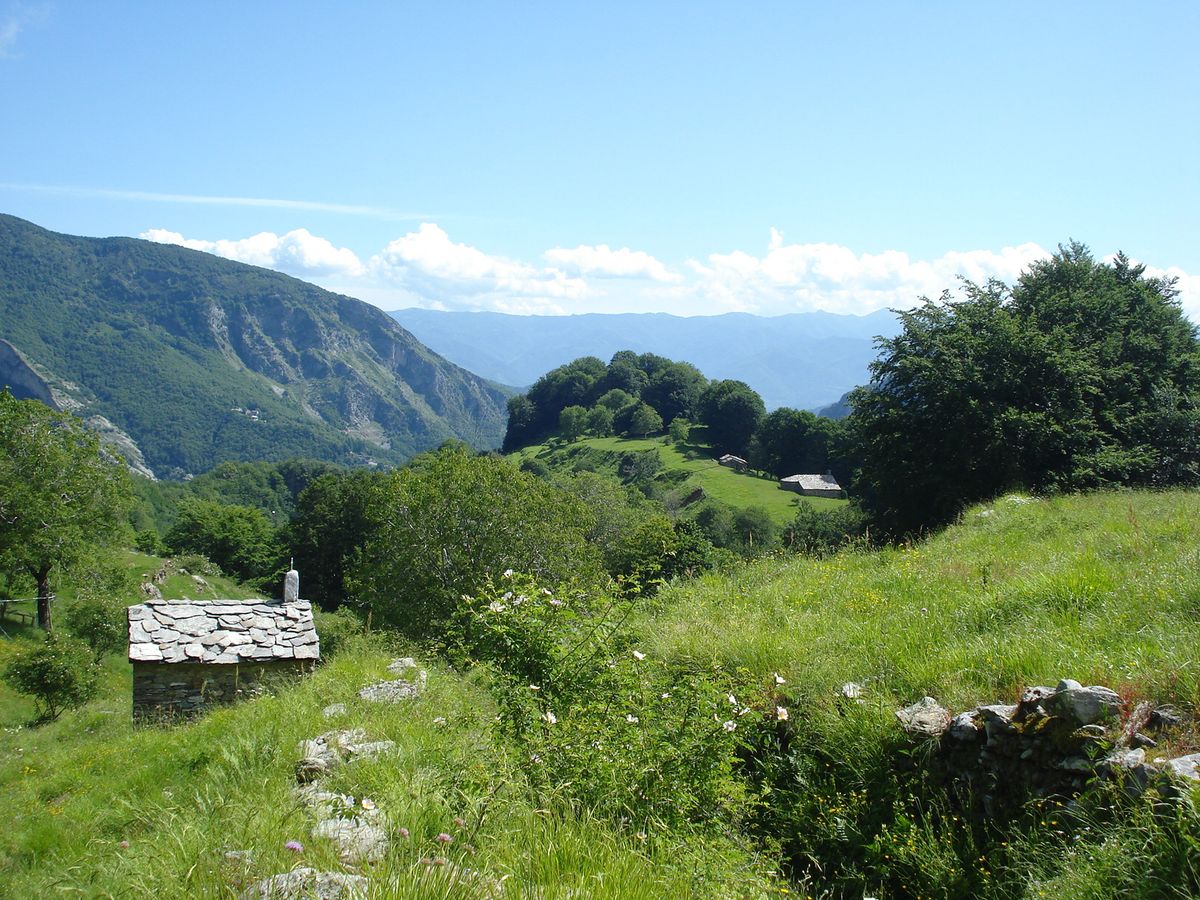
point(298, 252)
point(428, 264)
point(348, 209)
point(427, 268)
point(603, 261)
point(803, 277)
point(1187, 285)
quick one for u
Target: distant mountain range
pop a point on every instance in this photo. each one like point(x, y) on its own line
point(802, 360)
point(181, 359)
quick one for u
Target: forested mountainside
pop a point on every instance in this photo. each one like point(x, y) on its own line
point(199, 359)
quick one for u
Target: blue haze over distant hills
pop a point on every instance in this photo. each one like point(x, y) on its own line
point(802, 360)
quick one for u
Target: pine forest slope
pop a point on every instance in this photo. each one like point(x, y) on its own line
point(199, 359)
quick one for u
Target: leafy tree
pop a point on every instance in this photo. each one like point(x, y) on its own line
point(616, 400)
point(59, 495)
point(794, 441)
point(732, 411)
point(522, 415)
point(645, 420)
point(679, 430)
point(572, 422)
point(239, 539)
point(332, 522)
point(675, 389)
point(443, 526)
point(99, 623)
point(1084, 374)
point(59, 673)
point(600, 421)
point(624, 373)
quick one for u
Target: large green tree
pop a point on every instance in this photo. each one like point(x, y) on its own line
point(332, 522)
point(1084, 374)
point(732, 411)
point(239, 539)
point(448, 521)
point(60, 495)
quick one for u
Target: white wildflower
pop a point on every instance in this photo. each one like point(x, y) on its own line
point(631, 718)
point(496, 606)
point(779, 679)
point(732, 700)
point(535, 687)
point(547, 591)
point(554, 601)
point(508, 573)
point(781, 713)
point(639, 656)
point(729, 725)
point(667, 695)
point(550, 717)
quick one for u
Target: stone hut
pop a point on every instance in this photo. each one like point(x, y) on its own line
point(733, 462)
point(190, 654)
point(812, 485)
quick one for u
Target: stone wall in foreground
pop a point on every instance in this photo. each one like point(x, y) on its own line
point(182, 690)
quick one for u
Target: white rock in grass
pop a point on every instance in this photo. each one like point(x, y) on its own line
point(925, 718)
point(308, 884)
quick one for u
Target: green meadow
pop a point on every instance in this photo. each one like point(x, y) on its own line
point(684, 467)
point(1103, 588)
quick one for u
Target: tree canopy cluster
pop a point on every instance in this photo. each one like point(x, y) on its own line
point(635, 395)
point(1084, 374)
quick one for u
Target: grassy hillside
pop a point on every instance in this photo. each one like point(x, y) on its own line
point(1103, 588)
point(96, 808)
point(683, 469)
point(1100, 588)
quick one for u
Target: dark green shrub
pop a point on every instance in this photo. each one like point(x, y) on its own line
point(336, 628)
point(58, 673)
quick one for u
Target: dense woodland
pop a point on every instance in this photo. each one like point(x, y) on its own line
point(542, 582)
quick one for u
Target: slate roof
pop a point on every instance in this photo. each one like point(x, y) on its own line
point(221, 631)
point(813, 482)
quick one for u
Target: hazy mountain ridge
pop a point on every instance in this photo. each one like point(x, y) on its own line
point(199, 359)
point(803, 360)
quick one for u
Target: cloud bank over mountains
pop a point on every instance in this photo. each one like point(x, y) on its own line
point(427, 268)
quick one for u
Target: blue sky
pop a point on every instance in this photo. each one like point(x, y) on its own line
point(561, 157)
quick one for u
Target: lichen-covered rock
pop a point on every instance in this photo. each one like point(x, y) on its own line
point(964, 727)
point(308, 884)
point(402, 665)
point(925, 718)
point(1184, 766)
point(357, 840)
point(1085, 705)
point(333, 710)
point(391, 691)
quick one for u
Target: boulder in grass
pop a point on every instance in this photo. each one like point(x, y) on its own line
point(1085, 705)
point(924, 719)
point(308, 884)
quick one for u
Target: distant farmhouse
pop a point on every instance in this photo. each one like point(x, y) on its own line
point(812, 485)
point(733, 462)
point(188, 655)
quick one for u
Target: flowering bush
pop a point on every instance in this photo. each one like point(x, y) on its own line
point(600, 724)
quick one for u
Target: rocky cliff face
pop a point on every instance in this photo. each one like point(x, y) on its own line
point(198, 359)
